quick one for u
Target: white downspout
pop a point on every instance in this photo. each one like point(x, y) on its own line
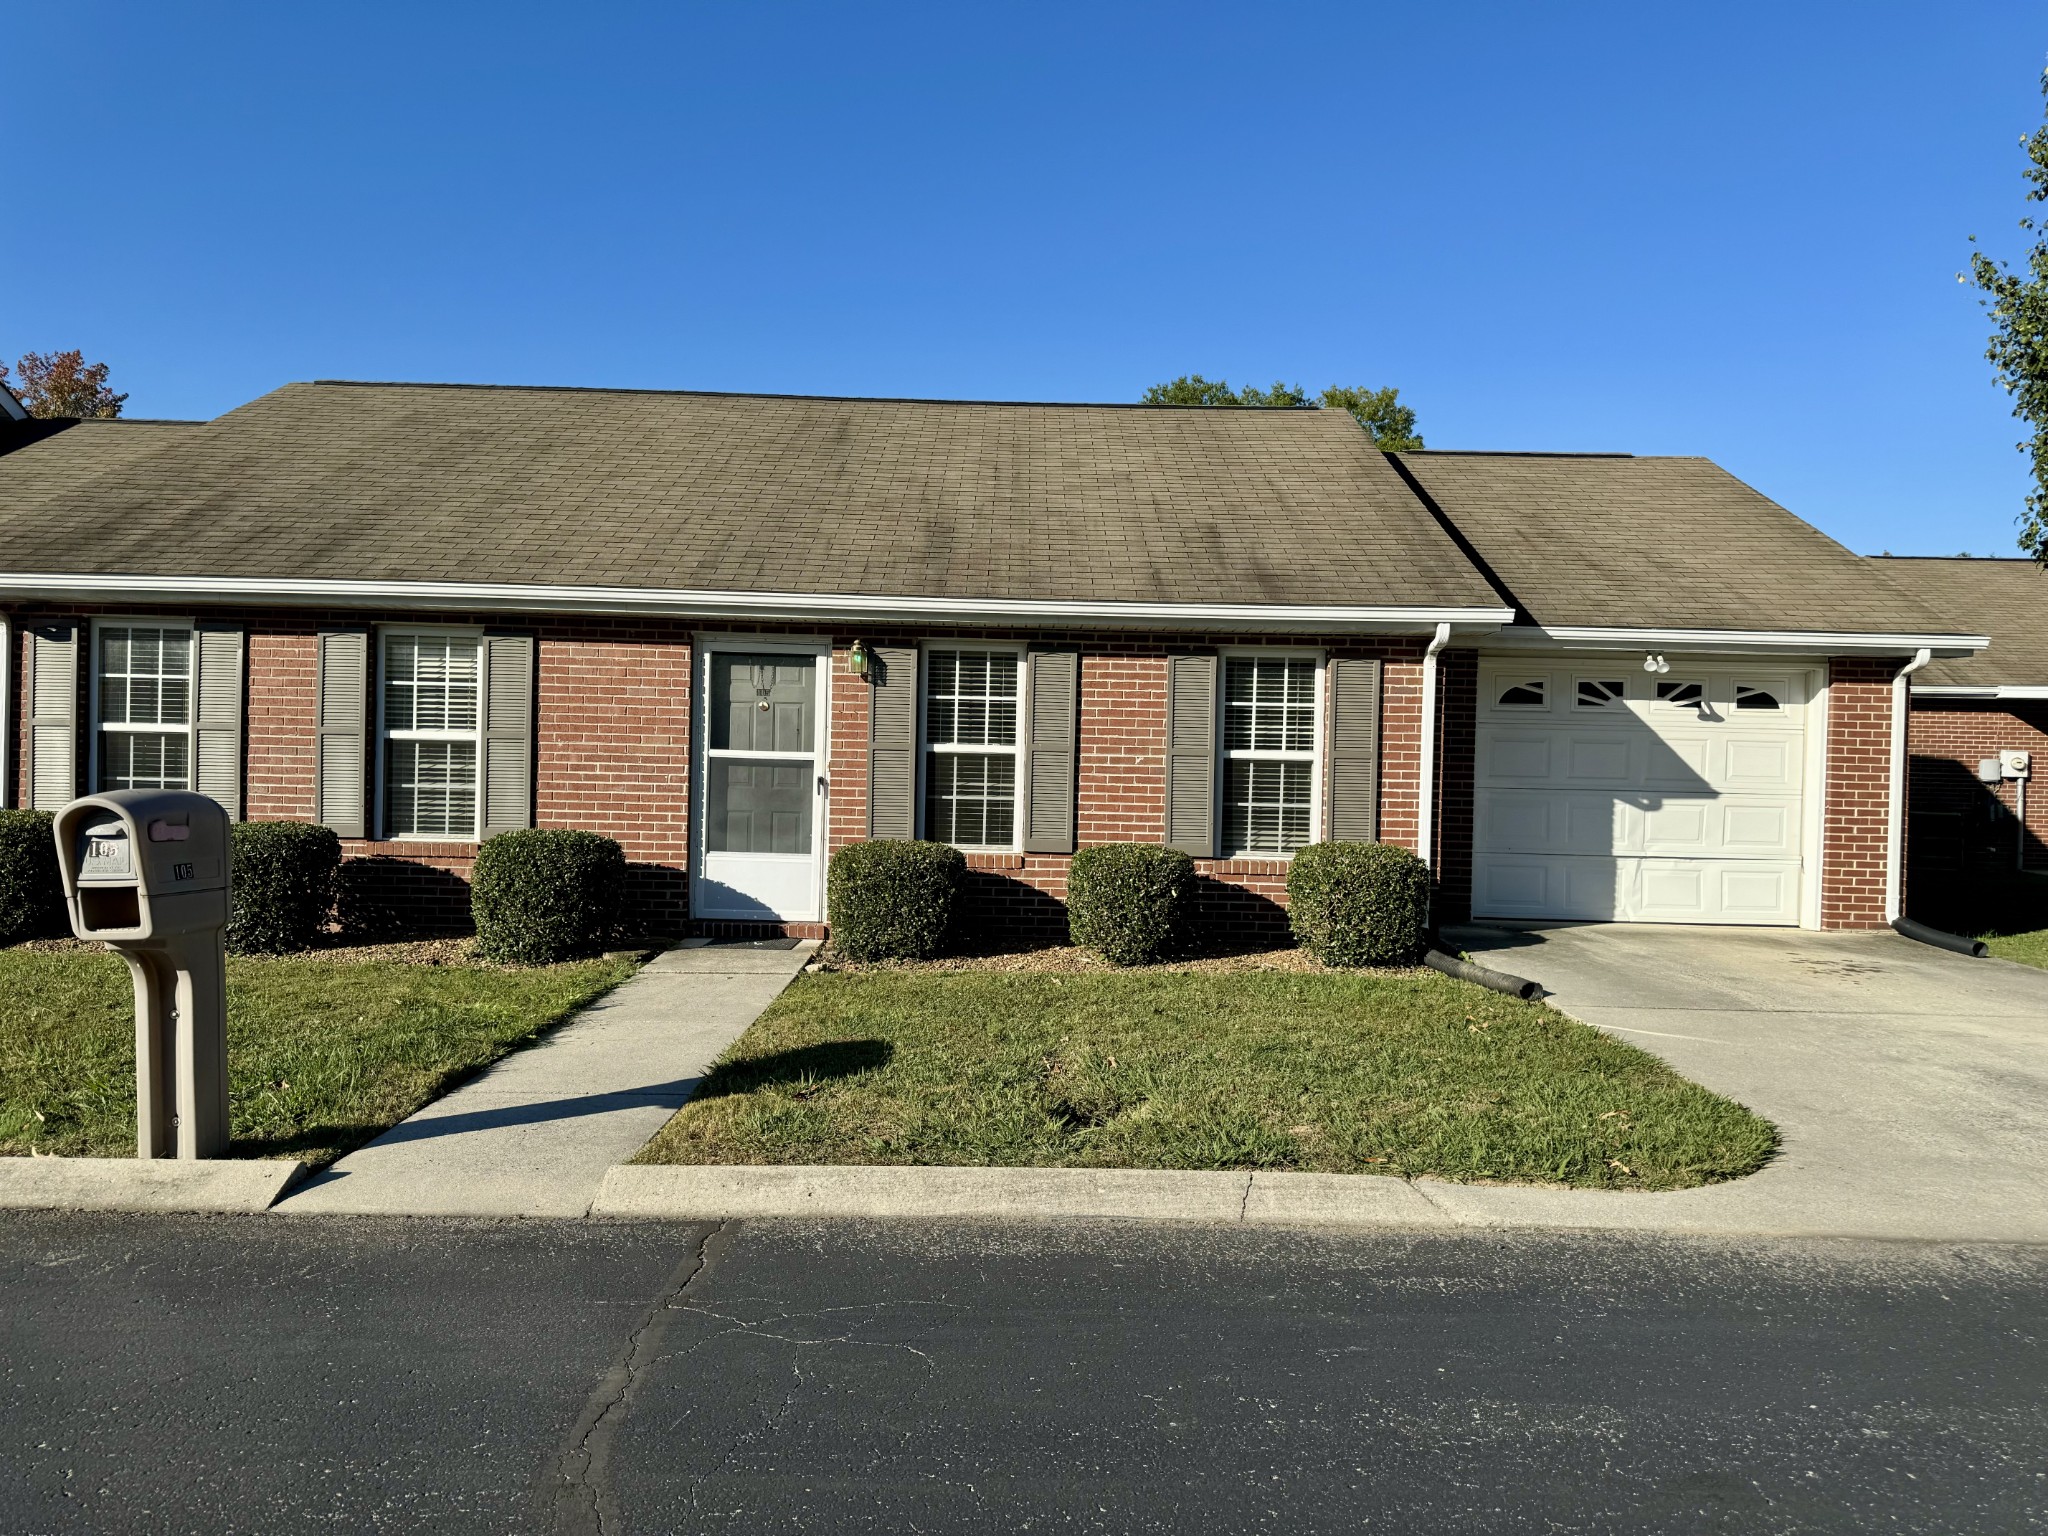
point(1426, 796)
point(1895, 811)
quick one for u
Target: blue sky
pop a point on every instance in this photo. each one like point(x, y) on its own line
point(1731, 230)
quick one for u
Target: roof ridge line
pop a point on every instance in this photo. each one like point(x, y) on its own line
point(748, 394)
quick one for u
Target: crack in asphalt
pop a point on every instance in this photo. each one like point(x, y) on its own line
point(583, 1504)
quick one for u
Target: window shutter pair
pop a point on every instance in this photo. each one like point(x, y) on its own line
point(343, 750)
point(1351, 779)
point(52, 655)
point(1050, 754)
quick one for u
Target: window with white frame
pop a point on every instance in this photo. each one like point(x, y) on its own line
point(1269, 750)
point(972, 701)
point(143, 685)
point(432, 720)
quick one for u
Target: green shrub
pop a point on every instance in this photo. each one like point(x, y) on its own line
point(1359, 903)
point(542, 896)
point(31, 891)
point(283, 885)
point(1130, 902)
point(893, 900)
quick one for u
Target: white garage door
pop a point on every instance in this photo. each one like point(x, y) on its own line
point(1608, 792)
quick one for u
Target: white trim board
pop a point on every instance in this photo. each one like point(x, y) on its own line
point(2019, 692)
point(788, 606)
point(1729, 641)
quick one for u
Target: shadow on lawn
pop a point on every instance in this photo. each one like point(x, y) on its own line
point(805, 1064)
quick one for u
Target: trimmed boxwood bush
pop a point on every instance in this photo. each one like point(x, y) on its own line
point(543, 895)
point(1130, 902)
point(893, 900)
point(283, 885)
point(31, 891)
point(1359, 903)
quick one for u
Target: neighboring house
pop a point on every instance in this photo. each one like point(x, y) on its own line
point(738, 632)
point(1967, 710)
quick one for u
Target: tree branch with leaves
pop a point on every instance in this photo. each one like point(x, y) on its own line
point(62, 384)
point(1389, 423)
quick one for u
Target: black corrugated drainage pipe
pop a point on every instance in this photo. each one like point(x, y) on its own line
point(1926, 935)
point(1499, 981)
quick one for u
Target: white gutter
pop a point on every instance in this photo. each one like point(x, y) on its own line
point(1425, 799)
point(1820, 641)
point(2017, 691)
point(1895, 809)
point(501, 597)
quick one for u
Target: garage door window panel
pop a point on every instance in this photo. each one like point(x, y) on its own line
point(1602, 693)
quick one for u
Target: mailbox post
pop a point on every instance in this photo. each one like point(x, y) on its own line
point(146, 872)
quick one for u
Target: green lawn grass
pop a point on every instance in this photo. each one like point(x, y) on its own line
point(322, 1054)
point(2027, 948)
point(1407, 1073)
point(2019, 903)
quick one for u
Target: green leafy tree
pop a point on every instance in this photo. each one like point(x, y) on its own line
point(2018, 305)
point(63, 384)
point(1390, 424)
point(1380, 412)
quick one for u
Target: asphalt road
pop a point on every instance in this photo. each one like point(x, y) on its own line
point(262, 1375)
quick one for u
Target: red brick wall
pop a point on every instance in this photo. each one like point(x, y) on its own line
point(1853, 833)
point(1958, 823)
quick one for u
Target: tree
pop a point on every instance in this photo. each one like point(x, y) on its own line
point(1390, 424)
point(63, 384)
point(1380, 412)
point(2018, 353)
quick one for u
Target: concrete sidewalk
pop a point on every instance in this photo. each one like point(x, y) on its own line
point(535, 1133)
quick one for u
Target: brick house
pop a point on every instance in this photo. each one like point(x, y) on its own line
point(738, 632)
point(1969, 820)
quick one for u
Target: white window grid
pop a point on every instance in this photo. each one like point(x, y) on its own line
point(1272, 753)
point(431, 719)
point(142, 685)
point(972, 709)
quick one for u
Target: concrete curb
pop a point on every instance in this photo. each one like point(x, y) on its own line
point(223, 1185)
point(1739, 1209)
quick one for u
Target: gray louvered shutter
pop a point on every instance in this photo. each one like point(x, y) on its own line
point(52, 767)
point(1049, 751)
point(892, 741)
point(508, 733)
point(1353, 812)
point(342, 749)
point(1191, 755)
point(217, 715)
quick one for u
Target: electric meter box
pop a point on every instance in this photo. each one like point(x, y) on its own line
point(143, 864)
point(2015, 765)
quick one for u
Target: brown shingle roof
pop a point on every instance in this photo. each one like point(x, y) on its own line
point(2005, 599)
point(42, 462)
point(1668, 543)
point(756, 494)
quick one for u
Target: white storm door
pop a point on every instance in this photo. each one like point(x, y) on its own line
point(761, 786)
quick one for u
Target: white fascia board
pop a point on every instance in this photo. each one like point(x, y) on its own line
point(1741, 641)
point(2014, 691)
point(10, 407)
point(496, 597)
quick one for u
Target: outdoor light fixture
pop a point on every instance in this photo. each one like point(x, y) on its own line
point(857, 659)
point(1655, 663)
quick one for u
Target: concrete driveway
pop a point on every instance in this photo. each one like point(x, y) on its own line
point(1911, 1084)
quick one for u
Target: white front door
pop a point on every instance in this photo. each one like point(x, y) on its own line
point(1607, 792)
point(760, 797)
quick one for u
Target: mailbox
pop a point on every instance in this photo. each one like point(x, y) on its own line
point(147, 872)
